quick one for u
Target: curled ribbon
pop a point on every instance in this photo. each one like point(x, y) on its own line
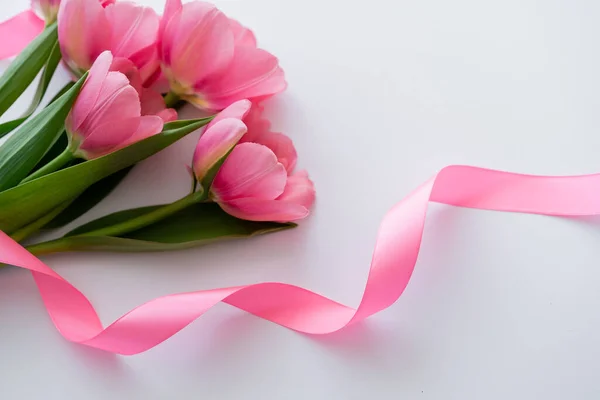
point(18, 31)
point(394, 258)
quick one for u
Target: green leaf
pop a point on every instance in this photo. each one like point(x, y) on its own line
point(57, 149)
point(9, 126)
point(25, 67)
point(49, 70)
point(88, 199)
point(196, 225)
point(112, 219)
point(63, 141)
point(36, 225)
point(25, 203)
point(26, 147)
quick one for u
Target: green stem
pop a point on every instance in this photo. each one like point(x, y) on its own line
point(148, 219)
point(53, 246)
point(65, 243)
point(172, 100)
point(52, 166)
point(35, 226)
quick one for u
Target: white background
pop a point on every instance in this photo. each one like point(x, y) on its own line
point(382, 95)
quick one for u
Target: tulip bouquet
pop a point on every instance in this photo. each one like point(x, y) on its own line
point(132, 70)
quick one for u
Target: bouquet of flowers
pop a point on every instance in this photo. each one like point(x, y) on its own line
point(132, 70)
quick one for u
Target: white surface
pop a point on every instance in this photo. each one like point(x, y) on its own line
point(382, 95)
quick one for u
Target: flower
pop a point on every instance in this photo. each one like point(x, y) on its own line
point(253, 185)
point(129, 31)
point(256, 181)
point(108, 114)
point(212, 61)
point(259, 131)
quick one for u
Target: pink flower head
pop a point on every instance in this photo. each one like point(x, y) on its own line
point(256, 182)
point(107, 114)
point(86, 29)
point(259, 131)
point(212, 61)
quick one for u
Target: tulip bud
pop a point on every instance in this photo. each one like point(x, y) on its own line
point(254, 181)
point(253, 185)
point(107, 114)
point(214, 146)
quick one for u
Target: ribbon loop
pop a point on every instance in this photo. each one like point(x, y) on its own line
point(17, 32)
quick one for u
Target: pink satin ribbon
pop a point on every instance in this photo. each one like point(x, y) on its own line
point(17, 32)
point(394, 258)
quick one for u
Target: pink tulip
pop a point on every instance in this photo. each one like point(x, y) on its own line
point(253, 185)
point(107, 114)
point(256, 181)
point(129, 31)
point(212, 61)
point(259, 131)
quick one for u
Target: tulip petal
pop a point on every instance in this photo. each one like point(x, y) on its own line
point(242, 36)
point(114, 117)
point(152, 103)
point(280, 144)
point(273, 85)
point(171, 8)
point(82, 32)
point(253, 73)
point(144, 56)
point(89, 93)
point(259, 131)
point(117, 99)
point(168, 115)
point(127, 68)
point(255, 122)
point(215, 143)
point(149, 65)
point(149, 125)
point(237, 110)
point(134, 29)
point(159, 83)
point(197, 43)
point(251, 170)
point(106, 135)
point(253, 209)
point(299, 190)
